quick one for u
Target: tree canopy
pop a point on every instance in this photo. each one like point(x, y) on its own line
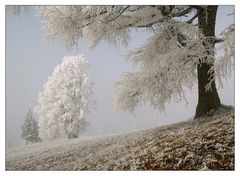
point(65, 100)
point(168, 61)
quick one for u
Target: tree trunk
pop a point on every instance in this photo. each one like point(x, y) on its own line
point(207, 100)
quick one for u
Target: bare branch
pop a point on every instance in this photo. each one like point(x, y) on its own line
point(193, 18)
point(182, 13)
point(218, 40)
point(120, 13)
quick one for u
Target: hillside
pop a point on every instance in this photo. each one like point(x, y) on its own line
point(202, 144)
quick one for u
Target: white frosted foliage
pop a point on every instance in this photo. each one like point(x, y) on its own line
point(167, 61)
point(65, 100)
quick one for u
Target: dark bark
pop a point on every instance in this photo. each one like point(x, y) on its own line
point(207, 100)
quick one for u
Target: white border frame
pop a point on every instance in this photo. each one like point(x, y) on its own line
point(118, 2)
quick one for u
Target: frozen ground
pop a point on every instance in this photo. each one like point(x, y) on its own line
point(202, 144)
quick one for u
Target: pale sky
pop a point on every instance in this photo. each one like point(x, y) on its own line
point(30, 60)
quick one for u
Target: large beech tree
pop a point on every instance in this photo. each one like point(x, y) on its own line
point(180, 53)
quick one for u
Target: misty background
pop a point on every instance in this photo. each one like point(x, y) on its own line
point(30, 60)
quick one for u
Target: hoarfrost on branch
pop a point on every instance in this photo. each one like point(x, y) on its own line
point(167, 61)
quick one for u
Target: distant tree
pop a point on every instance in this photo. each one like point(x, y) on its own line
point(180, 53)
point(65, 100)
point(30, 129)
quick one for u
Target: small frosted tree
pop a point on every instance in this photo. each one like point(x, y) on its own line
point(65, 100)
point(180, 53)
point(30, 128)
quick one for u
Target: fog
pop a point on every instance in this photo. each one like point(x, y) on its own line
point(30, 60)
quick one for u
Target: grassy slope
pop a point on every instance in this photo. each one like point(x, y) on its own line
point(206, 142)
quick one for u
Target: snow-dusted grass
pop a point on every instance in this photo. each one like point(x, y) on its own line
point(206, 143)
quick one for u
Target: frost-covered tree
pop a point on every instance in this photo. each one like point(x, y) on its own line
point(30, 129)
point(65, 100)
point(180, 53)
